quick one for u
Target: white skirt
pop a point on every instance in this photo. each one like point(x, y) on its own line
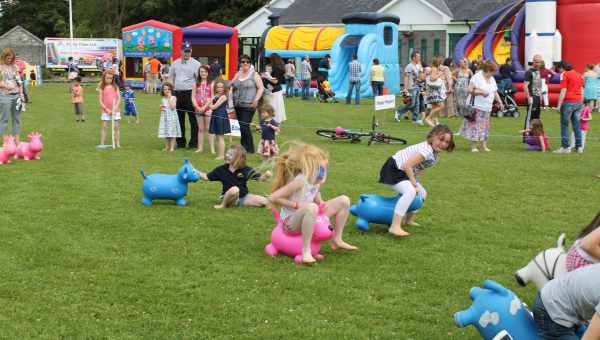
point(276, 100)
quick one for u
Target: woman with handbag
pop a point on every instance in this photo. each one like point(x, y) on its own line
point(482, 93)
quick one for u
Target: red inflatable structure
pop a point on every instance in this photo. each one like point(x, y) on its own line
point(578, 21)
point(558, 30)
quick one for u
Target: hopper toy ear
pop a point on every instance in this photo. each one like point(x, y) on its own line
point(185, 172)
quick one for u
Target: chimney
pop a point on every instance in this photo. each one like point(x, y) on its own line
point(274, 20)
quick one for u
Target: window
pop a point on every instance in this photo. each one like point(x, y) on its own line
point(436, 47)
point(424, 51)
point(411, 49)
point(454, 38)
point(400, 51)
point(388, 35)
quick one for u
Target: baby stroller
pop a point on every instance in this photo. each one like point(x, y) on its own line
point(510, 105)
point(323, 95)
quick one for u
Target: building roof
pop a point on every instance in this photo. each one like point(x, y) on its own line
point(19, 28)
point(474, 10)
point(320, 12)
point(326, 11)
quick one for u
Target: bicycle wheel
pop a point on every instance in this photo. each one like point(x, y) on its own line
point(386, 139)
point(331, 134)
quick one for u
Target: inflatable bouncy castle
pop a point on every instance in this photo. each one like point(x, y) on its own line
point(368, 35)
point(211, 40)
point(555, 29)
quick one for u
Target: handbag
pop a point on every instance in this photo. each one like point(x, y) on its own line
point(470, 109)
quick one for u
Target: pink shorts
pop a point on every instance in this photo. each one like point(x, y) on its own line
point(287, 226)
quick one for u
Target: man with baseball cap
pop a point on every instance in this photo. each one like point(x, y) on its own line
point(183, 75)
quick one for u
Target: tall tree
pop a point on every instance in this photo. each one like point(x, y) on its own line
point(41, 17)
point(105, 18)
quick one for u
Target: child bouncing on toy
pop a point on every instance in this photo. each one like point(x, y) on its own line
point(234, 175)
point(300, 172)
point(400, 172)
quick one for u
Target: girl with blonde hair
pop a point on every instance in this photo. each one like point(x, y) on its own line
point(300, 172)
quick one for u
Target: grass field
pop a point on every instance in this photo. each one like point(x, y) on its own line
point(80, 257)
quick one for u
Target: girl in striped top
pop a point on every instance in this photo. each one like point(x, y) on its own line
point(401, 170)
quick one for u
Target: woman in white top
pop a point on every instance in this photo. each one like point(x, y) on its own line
point(483, 86)
point(401, 170)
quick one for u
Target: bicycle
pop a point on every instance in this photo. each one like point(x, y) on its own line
point(355, 135)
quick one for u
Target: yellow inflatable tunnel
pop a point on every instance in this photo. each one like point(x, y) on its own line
point(302, 38)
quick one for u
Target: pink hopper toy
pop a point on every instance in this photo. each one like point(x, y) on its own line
point(30, 151)
point(291, 244)
point(9, 149)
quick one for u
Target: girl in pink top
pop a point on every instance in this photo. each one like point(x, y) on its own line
point(109, 98)
point(584, 118)
point(202, 94)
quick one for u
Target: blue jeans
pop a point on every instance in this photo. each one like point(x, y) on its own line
point(289, 88)
point(570, 112)
point(377, 88)
point(305, 88)
point(547, 328)
point(352, 85)
point(414, 105)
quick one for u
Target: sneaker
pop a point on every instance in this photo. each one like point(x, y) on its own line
point(419, 122)
point(562, 150)
point(397, 116)
point(580, 150)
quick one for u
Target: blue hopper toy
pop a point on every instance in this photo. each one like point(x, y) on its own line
point(169, 187)
point(497, 313)
point(378, 209)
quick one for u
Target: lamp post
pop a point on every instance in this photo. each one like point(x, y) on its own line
point(71, 27)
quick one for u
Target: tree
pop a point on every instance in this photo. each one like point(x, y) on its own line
point(41, 17)
point(105, 18)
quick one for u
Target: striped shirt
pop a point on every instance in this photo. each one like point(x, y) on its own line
point(355, 71)
point(423, 149)
point(306, 70)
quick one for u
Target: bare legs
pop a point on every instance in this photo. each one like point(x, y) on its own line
point(203, 125)
point(339, 208)
point(221, 146)
point(481, 145)
point(232, 197)
point(169, 144)
point(432, 119)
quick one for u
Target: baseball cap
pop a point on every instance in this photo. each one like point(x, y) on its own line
point(187, 47)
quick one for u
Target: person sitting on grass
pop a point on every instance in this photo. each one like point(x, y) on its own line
point(535, 136)
point(401, 170)
point(234, 176)
point(568, 302)
point(300, 172)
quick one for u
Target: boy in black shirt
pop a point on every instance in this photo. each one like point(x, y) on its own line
point(234, 176)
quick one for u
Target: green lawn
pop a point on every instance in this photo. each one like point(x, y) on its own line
point(81, 257)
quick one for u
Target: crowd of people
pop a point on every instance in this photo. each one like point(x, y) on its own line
point(473, 90)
